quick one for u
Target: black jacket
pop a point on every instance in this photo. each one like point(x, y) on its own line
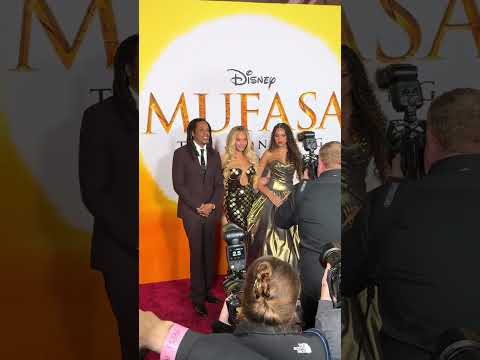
point(252, 342)
point(108, 170)
point(195, 187)
point(315, 207)
point(195, 346)
point(420, 243)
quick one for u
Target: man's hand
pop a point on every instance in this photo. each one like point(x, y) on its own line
point(396, 169)
point(325, 292)
point(305, 175)
point(264, 180)
point(152, 331)
point(276, 200)
point(205, 209)
point(224, 314)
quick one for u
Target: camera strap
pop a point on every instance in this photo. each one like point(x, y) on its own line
point(299, 193)
point(316, 333)
point(392, 190)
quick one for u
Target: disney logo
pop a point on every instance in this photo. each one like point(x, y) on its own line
point(240, 78)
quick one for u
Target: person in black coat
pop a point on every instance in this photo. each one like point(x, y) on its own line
point(315, 207)
point(198, 181)
point(108, 170)
point(418, 240)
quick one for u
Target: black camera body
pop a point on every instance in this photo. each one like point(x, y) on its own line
point(405, 136)
point(458, 344)
point(310, 160)
point(237, 262)
point(331, 253)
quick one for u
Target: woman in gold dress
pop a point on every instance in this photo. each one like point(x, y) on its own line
point(277, 169)
point(363, 128)
point(240, 165)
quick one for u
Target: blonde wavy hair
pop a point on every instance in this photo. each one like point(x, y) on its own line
point(230, 151)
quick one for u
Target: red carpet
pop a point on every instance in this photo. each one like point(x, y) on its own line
point(170, 301)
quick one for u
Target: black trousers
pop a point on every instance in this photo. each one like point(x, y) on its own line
point(201, 240)
point(122, 291)
point(311, 273)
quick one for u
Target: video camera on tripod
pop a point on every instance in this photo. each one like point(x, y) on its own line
point(237, 263)
point(331, 253)
point(310, 160)
point(405, 136)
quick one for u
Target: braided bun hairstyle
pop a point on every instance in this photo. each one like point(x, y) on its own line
point(270, 293)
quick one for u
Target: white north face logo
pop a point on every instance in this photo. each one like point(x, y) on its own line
point(303, 348)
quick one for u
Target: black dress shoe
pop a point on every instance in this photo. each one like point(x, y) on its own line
point(200, 309)
point(212, 299)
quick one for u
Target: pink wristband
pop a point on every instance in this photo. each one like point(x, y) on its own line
point(172, 342)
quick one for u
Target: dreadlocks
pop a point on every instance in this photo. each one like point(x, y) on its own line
point(190, 129)
point(126, 55)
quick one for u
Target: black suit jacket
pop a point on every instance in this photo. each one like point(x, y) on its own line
point(252, 343)
point(194, 186)
point(108, 169)
point(421, 244)
point(314, 206)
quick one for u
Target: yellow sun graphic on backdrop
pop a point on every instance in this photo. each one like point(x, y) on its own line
point(163, 245)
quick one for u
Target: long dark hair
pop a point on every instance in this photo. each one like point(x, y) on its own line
point(125, 55)
point(192, 125)
point(293, 154)
point(368, 120)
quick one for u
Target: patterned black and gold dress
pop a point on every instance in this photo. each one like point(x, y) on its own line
point(265, 237)
point(239, 198)
point(355, 160)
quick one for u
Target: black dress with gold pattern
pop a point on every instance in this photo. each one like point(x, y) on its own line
point(239, 198)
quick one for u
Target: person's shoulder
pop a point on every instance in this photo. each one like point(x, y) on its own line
point(181, 150)
point(312, 188)
point(216, 153)
point(107, 105)
point(100, 115)
point(266, 156)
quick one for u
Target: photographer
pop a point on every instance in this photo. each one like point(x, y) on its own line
point(315, 206)
point(418, 240)
point(268, 325)
point(174, 341)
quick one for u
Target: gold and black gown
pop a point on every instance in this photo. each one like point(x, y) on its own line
point(265, 237)
point(355, 160)
point(239, 198)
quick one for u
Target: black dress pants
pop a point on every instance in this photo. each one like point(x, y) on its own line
point(201, 240)
point(311, 273)
point(122, 290)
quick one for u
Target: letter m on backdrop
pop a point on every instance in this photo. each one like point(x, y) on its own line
point(63, 49)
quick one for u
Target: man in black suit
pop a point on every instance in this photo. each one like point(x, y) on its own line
point(315, 207)
point(198, 181)
point(108, 169)
point(419, 239)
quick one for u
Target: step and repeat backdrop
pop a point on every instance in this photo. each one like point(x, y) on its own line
point(197, 58)
point(56, 59)
point(233, 63)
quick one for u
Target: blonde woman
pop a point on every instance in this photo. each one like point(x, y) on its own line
point(239, 171)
